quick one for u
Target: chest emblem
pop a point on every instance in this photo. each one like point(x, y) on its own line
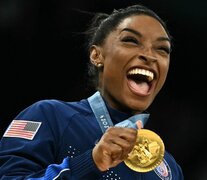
point(163, 171)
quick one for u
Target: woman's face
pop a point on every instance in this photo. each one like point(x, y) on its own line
point(136, 57)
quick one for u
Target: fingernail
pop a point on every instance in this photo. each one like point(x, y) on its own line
point(139, 124)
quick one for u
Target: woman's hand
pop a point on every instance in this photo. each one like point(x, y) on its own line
point(114, 147)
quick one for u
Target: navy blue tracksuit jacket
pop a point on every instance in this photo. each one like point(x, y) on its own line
point(53, 139)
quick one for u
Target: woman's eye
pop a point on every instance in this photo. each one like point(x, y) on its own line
point(130, 39)
point(164, 50)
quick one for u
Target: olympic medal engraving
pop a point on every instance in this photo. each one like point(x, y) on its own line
point(147, 153)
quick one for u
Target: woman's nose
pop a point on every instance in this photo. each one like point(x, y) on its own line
point(147, 55)
point(147, 58)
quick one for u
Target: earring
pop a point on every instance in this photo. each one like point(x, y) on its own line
point(99, 65)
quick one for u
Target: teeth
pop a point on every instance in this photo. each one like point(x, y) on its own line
point(144, 72)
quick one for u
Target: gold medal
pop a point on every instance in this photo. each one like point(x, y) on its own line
point(147, 153)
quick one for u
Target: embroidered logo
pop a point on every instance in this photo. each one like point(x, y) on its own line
point(164, 171)
point(22, 129)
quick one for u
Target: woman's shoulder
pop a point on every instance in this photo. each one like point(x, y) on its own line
point(61, 105)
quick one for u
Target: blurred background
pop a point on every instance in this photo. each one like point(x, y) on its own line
point(43, 57)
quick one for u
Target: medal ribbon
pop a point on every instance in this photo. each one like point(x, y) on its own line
point(102, 115)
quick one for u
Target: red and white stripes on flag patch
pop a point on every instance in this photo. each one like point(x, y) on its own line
point(22, 129)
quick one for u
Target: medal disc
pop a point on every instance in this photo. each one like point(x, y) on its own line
point(147, 153)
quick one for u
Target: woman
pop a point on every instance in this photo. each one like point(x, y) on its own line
point(91, 139)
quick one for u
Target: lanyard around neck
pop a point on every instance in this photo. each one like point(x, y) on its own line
point(102, 115)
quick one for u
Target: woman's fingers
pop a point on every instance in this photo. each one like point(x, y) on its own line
point(114, 147)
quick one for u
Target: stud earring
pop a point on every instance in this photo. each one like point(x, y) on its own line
point(99, 65)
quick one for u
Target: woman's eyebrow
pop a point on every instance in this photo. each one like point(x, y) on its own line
point(132, 31)
point(140, 35)
point(164, 39)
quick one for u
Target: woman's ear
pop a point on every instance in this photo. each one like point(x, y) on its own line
point(96, 57)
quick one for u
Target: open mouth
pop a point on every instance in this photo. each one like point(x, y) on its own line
point(140, 80)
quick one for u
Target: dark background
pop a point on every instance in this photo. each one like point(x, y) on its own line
point(43, 57)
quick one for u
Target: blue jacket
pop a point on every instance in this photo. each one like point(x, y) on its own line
point(59, 146)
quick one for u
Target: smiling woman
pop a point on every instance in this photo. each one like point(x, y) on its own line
point(130, 55)
point(91, 139)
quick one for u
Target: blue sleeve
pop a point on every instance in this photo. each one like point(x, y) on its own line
point(23, 158)
point(80, 166)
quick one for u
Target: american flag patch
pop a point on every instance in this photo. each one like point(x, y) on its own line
point(22, 129)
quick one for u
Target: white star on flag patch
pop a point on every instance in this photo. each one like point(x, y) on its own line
point(22, 129)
